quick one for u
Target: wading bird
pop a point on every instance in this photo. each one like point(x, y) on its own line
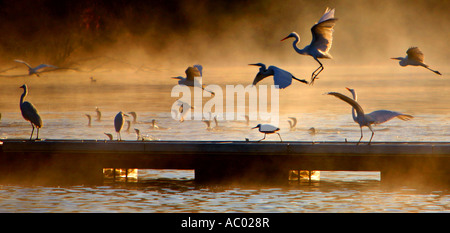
point(292, 123)
point(281, 77)
point(30, 113)
point(134, 115)
point(267, 129)
point(110, 136)
point(414, 57)
point(118, 124)
point(99, 114)
point(194, 75)
point(36, 69)
point(373, 118)
point(322, 37)
point(89, 119)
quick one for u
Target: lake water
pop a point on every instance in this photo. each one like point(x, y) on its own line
point(63, 99)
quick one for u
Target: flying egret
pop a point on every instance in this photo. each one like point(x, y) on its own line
point(193, 78)
point(281, 77)
point(36, 69)
point(322, 37)
point(267, 129)
point(373, 118)
point(292, 123)
point(414, 57)
point(30, 113)
point(118, 124)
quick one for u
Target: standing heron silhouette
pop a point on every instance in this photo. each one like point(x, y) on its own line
point(414, 57)
point(268, 129)
point(118, 124)
point(322, 38)
point(30, 113)
point(373, 118)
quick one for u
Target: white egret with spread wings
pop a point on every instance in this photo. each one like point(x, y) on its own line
point(373, 118)
point(36, 70)
point(414, 57)
point(281, 78)
point(322, 38)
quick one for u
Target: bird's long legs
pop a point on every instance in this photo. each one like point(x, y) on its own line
point(314, 74)
point(263, 138)
point(37, 136)
point(280, 137)
point(360, 137)
point(372, 135)
point(32, 131)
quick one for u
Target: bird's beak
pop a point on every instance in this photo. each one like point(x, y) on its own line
point(285, 38)
point(126, 115)
point(347, 88)
point(395, 58)
point(255, 127)
point(253, 64)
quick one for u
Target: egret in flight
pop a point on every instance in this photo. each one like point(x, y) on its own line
point(414, 57)
point(373, 118)
point(30, 113)
point(118, 124)
point(193, 78)
point(267, 129)
point(281, 77)
point(35, 70)
point(322, 37)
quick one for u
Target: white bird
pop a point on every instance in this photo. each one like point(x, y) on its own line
point(373, 118)
point(414, 57)
point(30, 113)
point(118, 124)
point(194, 75)
point(36, 69)
point(281, 77)
point(292, 123)
point(322, 37)
point(267, 129)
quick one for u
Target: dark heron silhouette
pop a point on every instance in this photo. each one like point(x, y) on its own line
point(30, 113)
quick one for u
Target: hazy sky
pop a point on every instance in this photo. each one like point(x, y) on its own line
point(218, 32)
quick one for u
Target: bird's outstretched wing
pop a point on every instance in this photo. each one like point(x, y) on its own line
point(415, 54)
point(41, 66)
point(381, 116)
point(322, 31)
point(20, 61)
point(349, 100)
point(281, 77)
point(259, 76)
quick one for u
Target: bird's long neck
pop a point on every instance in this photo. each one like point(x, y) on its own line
point(295, 45)
point(24, 94)
point(355, 97)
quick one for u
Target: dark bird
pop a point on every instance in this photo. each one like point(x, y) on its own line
point(281, 77)
point(30, 113)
